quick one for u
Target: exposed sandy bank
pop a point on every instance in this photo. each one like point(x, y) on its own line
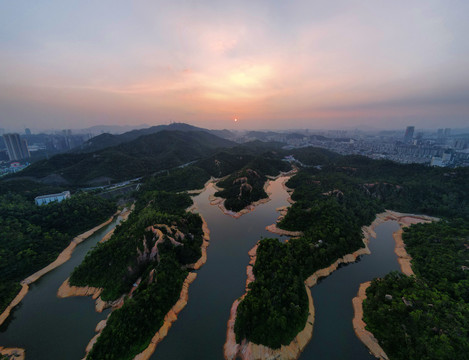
point(221, 202)
point(63, 257)
point(206, 242)
point(170, 317)
point(13, 353)
point(14, 302)
point(66, 290)
point(199, 191)
point(99, 328)
point(124, 215)
point(273, 228)
point(359, 325)
point(404, 260)
point(66, 254)
point(250, 351)
point(247, 350)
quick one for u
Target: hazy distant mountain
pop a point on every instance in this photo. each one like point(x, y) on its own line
point(111, 129)
point(142, 156)
point(106, 140)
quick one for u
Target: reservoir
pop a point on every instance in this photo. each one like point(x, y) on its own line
point(52, 328)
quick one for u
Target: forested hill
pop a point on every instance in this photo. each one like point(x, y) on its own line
point(142, 156)
point(107, 140)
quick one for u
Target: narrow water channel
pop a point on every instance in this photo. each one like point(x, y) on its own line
point(200, 331)
point(55, 329)
point(51, 328)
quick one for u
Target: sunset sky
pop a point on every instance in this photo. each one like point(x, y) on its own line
point(271, 64)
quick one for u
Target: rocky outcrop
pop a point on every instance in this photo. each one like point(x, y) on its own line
point(12, 353)
point(359, 325)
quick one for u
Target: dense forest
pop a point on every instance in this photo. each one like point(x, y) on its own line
point(334, 197)
point(246, 186)
point(153, 248)
point(32, 236)
point(425, 316)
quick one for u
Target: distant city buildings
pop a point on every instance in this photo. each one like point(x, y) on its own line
point(17, 148)
point(46, 199)
point(409, 134)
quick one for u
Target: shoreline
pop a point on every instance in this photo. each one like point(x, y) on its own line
point(214, 200)
point(366, 337)
point(273, 228)
point(172, 314)
point(404, 259)
point(169, 318)
point(251, 351)
point(13, 353)
point(66, 290)
point(62, 258)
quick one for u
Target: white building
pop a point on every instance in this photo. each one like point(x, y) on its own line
point(46, 199)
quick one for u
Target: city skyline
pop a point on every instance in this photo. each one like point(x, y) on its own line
point(297, 65)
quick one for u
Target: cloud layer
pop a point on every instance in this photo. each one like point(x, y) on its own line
point(269, 63)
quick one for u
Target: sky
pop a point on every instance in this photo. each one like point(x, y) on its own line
point(270, 64)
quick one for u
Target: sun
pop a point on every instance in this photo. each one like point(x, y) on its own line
point(235, 119)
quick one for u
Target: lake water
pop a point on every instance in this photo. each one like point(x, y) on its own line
point(52, 328)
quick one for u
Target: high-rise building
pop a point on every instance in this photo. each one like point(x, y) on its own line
point(447, 131)
point(27, 131)
point(409, 134)
point(17, 148)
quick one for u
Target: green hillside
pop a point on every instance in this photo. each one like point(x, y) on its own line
point(142, 156)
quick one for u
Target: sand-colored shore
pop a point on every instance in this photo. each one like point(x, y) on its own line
point(359, 325)
point(14, 302)
point(13, 353)
point(404, 260)
point(170, 317)
point(221, 202)
point(66, 254)
point(63, 257)
point(206, 242)
point(124, 215)
point(66, 290)
point(273, 228)
point(250, 351)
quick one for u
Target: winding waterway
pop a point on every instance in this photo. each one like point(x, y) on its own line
point(52, 328)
